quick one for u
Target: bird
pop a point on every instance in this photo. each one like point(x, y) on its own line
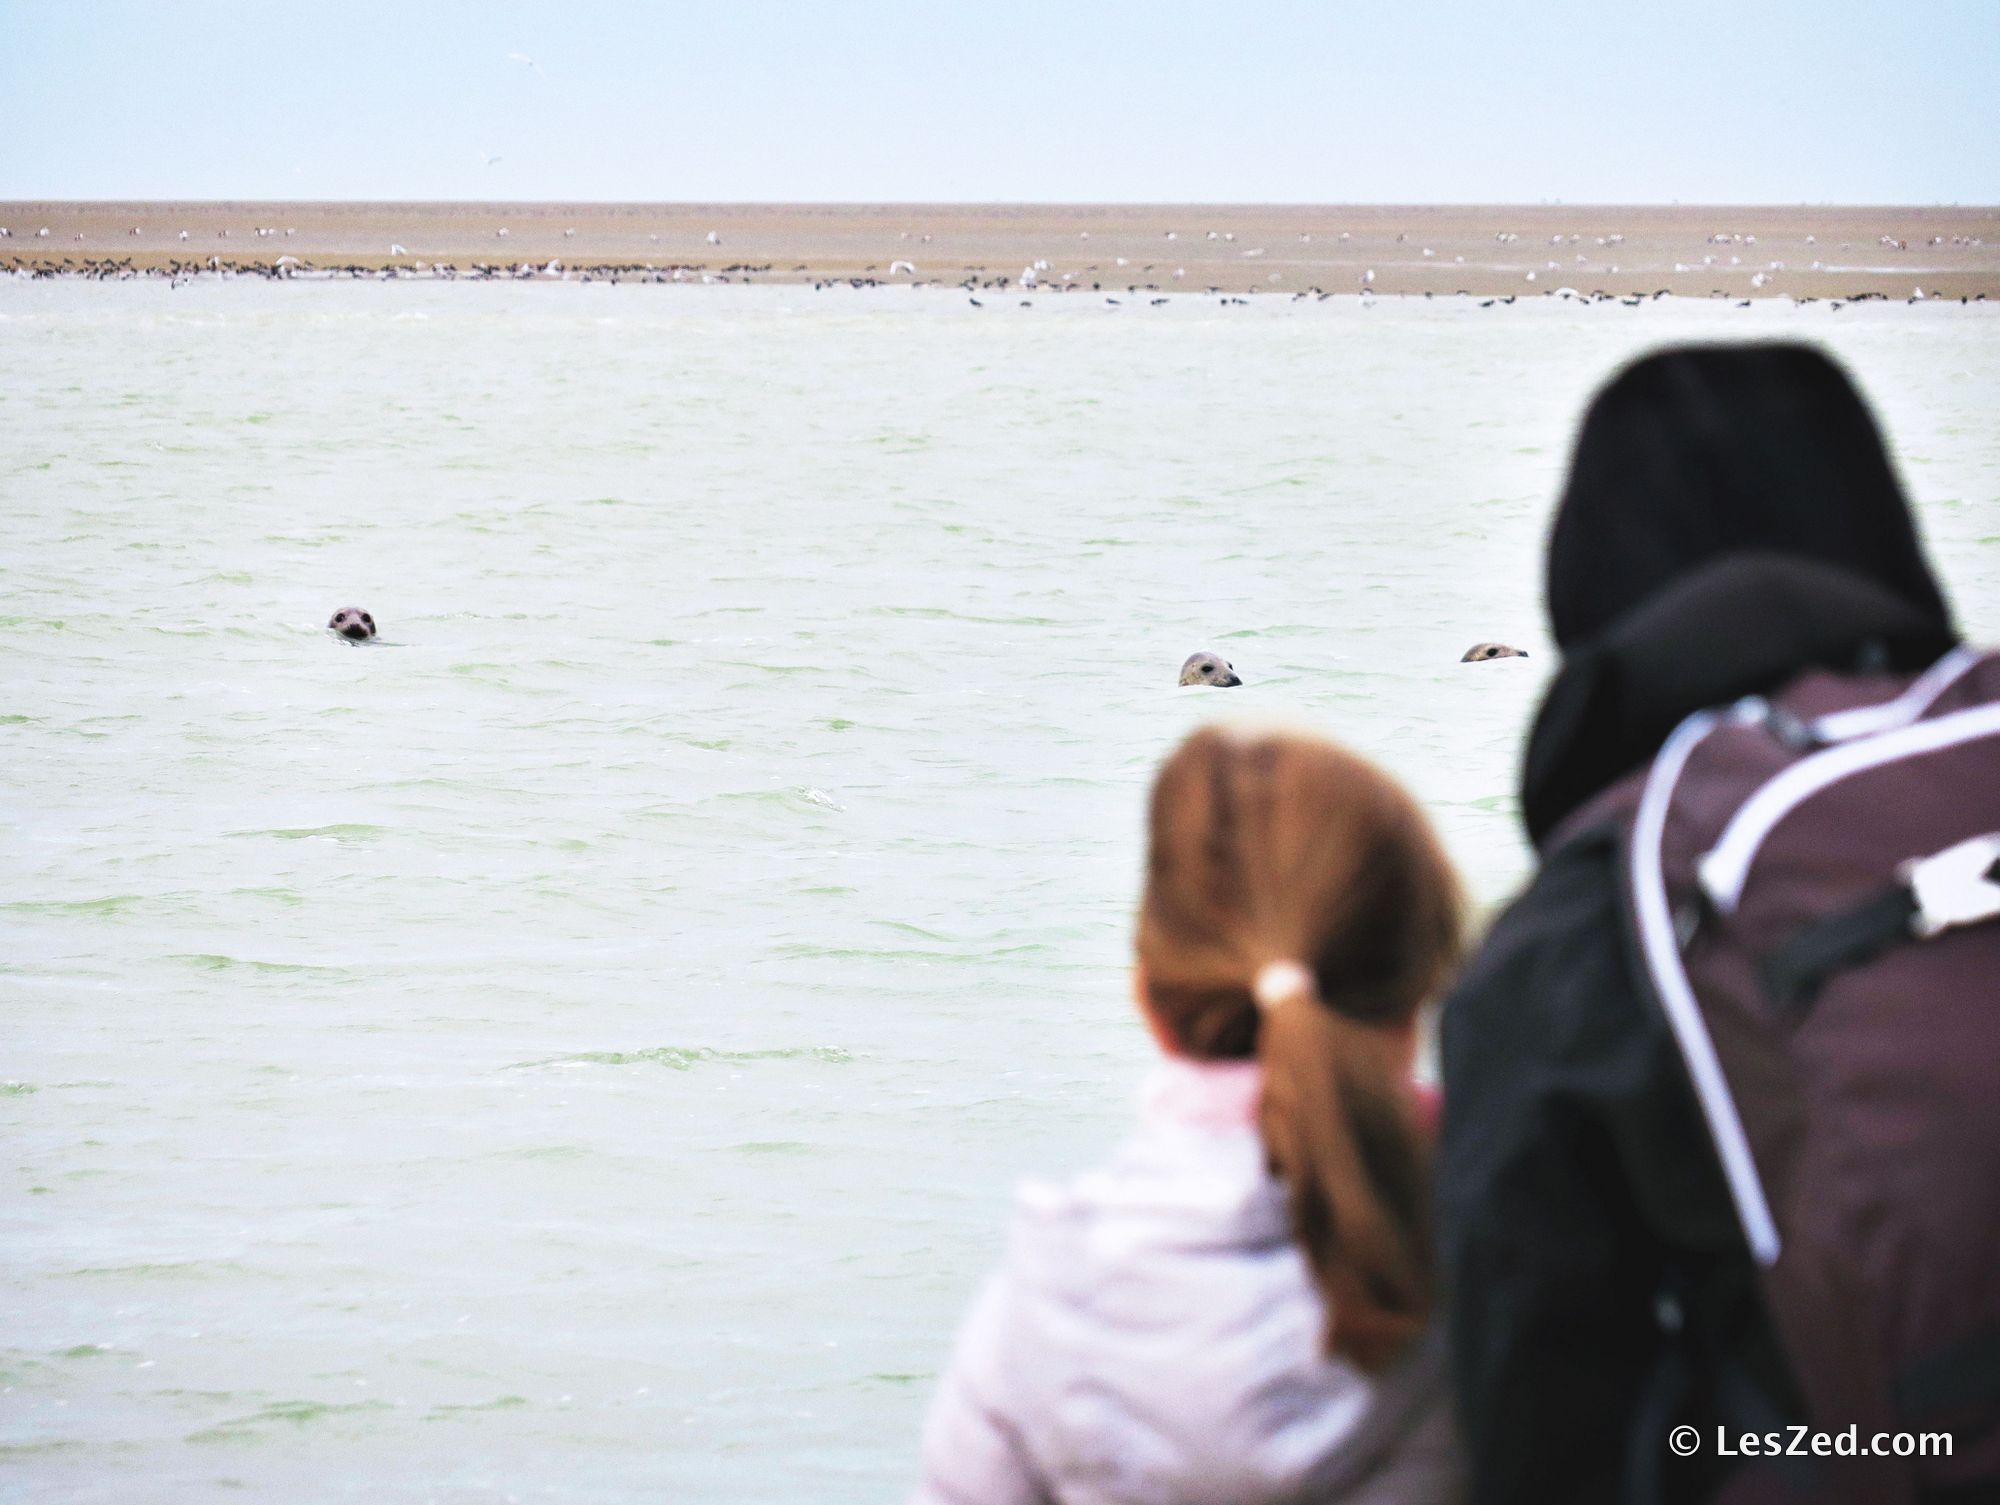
point(397, 250)
point(714, 239)
point(491, 161)
point(526, 61)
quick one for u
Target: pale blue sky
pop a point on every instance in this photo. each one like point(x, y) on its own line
point(1725, 101)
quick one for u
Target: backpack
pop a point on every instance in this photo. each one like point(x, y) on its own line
point(1813, 888)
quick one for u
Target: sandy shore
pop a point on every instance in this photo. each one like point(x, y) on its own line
point(1484, 251)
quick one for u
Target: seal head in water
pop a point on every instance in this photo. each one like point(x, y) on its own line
point(1209, 669)
point(1479, 652)
point(352, 623)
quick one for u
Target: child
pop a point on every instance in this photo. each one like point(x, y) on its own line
point(1237, 1308)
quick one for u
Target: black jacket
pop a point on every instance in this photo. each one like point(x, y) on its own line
point(1600, 1292)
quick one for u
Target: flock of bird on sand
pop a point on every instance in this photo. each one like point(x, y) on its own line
point(1035, 278)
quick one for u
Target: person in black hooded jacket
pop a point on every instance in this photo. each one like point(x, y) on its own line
point(1730, 520)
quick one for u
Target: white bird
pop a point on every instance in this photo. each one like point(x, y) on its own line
point(902, 266)
point(135, 229)
point(714, 239)
point(1171, 235)
point(554, 268)
point(1368, 277)
point(1531, 276)
point(501, 233)
point(396, 250)
point(43, 233)
point(1027, 276)
point(569, 234)
point(184, 235)
point(523, 59)
point(1760, 279)
point(491, 161)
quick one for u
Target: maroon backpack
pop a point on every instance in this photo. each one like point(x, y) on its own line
point(1813, 881)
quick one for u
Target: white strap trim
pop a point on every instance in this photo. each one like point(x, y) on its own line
point(1670, 982)
point(1726, 867)
point(1917, 697)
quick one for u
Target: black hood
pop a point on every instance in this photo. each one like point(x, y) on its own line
point(1692, 454)
point(1730, 519)
point(1743, 625)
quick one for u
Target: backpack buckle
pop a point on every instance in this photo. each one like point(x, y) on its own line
point(1958, 886)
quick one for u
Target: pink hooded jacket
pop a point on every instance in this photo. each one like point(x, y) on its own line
point(1153, 1337)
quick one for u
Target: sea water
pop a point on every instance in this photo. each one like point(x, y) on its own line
point(580, 1046)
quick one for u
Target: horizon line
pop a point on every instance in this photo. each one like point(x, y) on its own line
point(961, 204)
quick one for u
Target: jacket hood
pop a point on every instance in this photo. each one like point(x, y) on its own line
point(1693, 454)
point(1742, 625)
point(1170, 1334)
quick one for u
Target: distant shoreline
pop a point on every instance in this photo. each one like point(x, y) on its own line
point(1738, 252)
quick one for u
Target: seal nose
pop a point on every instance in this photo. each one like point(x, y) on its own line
point(1228, 680)
point(355, 631)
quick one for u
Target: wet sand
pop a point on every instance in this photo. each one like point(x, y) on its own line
point(1494, 251)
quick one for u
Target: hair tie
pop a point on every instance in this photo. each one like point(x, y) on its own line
point(1281, 982)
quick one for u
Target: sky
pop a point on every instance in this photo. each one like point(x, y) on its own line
point(1618, 101)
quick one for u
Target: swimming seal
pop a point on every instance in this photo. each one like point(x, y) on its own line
point(1209, 669)
point(352, 623)
point(1481, 651)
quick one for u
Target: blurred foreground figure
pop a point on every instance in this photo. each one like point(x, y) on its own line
point(1236, 1309)
point(1723, 1086)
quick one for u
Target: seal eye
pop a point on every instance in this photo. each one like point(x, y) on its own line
point(368, 619)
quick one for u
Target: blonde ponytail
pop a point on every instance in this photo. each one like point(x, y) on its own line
point(1299, 908)
point(1339, 1133)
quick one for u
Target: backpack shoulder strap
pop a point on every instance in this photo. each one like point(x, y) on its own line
point(1660, 950)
